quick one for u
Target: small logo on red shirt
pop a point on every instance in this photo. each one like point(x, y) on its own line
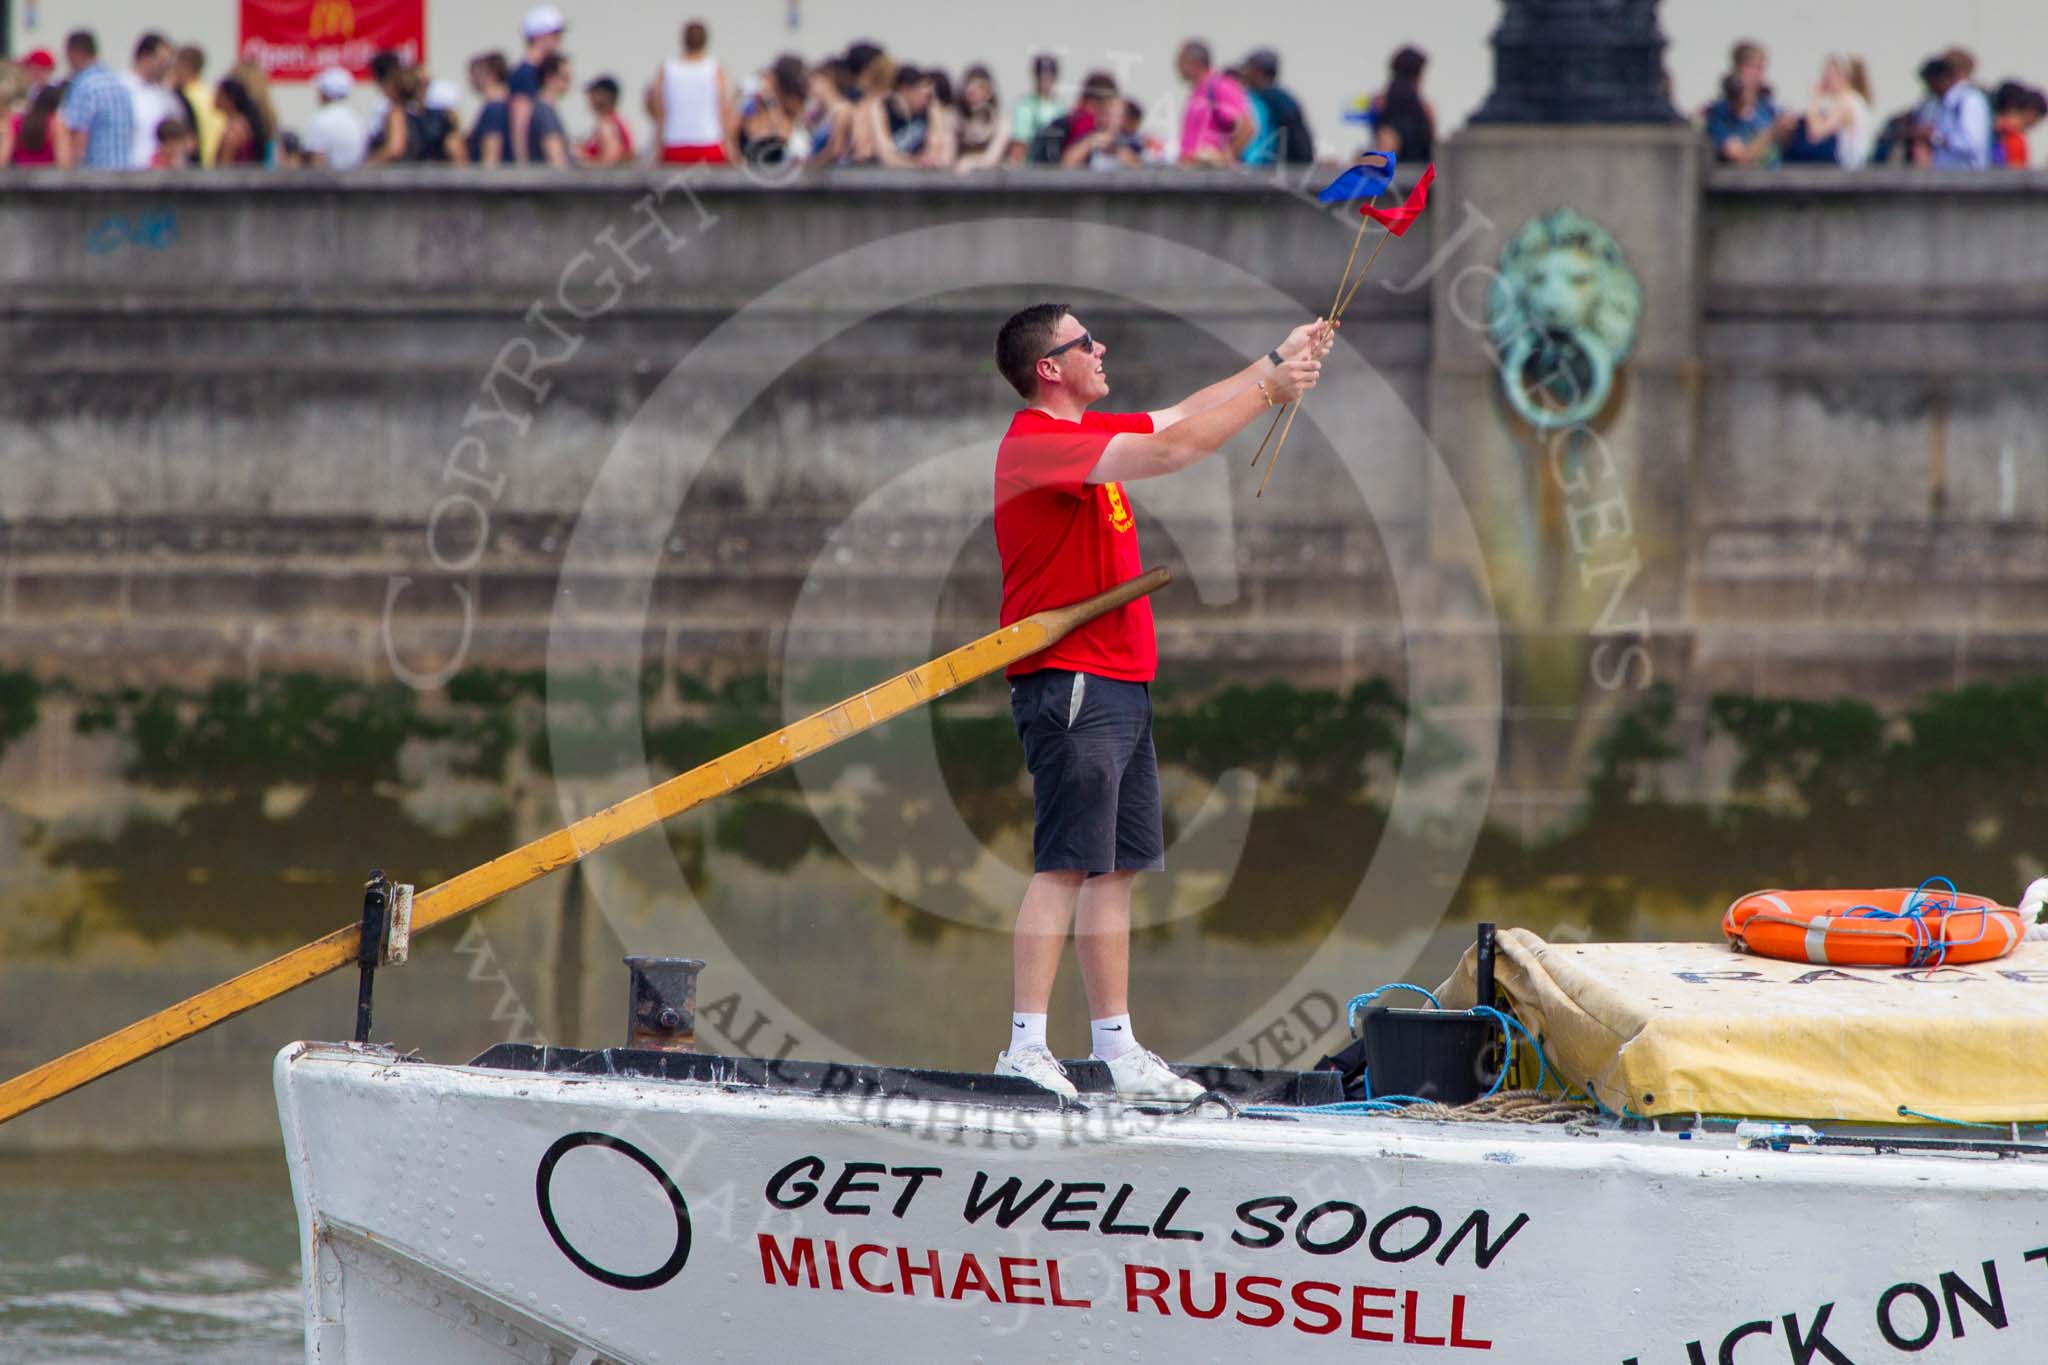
point(1120, 518)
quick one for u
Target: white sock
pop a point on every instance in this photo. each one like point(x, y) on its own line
point(1111, 1037)
point(1026, 1030)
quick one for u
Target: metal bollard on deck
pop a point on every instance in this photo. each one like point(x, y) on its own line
point(661, 1009)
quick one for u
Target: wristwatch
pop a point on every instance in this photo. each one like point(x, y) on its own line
point(1274, 356)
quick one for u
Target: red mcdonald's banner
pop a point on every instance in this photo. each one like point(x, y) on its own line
point(294, 40)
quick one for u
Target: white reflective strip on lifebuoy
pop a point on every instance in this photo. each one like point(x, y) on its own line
point(1816, 940)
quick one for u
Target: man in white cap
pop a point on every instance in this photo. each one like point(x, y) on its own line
point(335, 136)
point(543, 30)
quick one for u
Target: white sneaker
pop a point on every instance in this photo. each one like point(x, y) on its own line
point(1141, 1075)
point(1037, 1065)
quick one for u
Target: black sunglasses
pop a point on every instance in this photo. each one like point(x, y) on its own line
point(1084, 341)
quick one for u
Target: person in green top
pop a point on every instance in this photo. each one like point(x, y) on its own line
point(1034, 110)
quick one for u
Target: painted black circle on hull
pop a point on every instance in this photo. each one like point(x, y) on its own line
point(544, 1177)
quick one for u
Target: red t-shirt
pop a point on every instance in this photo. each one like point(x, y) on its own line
point(2013, 143)
point(1062, 539)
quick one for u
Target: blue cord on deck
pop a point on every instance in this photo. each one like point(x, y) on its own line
point(1359, 1002)
point(1509, 1027)
point(1385, 1104)
point(1954, 1123)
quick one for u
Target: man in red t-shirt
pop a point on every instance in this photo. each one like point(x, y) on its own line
point(1083, 706)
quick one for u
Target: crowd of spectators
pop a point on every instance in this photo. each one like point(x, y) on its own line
point(157, 112)
point(865, 107)
point(1954, 123)
point(861, 107)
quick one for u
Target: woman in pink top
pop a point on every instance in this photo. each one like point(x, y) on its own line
point(1218, 124)
point(31, 137)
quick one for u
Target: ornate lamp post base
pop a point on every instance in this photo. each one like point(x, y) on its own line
point(1578, 61)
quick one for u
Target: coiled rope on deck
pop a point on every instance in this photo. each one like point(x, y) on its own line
point(1507, 1106)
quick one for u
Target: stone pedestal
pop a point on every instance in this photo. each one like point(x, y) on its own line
point(1583, 527)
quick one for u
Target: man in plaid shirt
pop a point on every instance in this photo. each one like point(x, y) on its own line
point(97, 114)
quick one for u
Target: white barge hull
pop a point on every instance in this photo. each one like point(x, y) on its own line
point(458, 1216)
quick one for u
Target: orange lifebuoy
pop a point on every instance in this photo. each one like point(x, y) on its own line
point(1900, 927)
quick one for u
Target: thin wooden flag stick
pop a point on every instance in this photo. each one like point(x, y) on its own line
point(466, 891)
point(1276, 449)
point(1270, 428)
point(1343, 303)
point(1362, 274)
point(1357, 240)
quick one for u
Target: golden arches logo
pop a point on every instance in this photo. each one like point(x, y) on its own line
point(332, 19)
point(1119, 511)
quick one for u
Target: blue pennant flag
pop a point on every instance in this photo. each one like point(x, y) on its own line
point(1366, 180)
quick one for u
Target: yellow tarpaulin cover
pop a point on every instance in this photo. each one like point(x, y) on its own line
point(1682, 1028)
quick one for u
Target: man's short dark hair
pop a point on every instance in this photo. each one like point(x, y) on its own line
point(493, 64)
point(550, 66)
point(1045, 64)
point(907, 76)
point(149, 44)
point(1023, 342)
point(696, 36)
point(193, 56)
point(82, 42)
point(1266, 62)
point(382, 64)
point(605, 85)
point(1199, 50)
point(1936, 69)
point(860, 55)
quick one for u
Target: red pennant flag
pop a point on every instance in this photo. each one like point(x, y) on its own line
point(1399, 220)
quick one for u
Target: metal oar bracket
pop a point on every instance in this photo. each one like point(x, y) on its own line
point(385, 938)
point(398, 934)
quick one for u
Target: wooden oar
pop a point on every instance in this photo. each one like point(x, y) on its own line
point(466, 891)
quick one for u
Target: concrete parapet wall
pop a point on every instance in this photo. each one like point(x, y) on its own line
point(235, 399)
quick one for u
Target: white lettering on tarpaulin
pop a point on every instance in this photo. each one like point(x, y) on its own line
point(1909, 1317)
point(1919, 976)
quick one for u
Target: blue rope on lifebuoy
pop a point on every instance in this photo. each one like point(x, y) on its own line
point(1930, 942)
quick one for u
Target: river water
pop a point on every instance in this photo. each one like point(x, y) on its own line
point(170, 1260)
point(142, 884)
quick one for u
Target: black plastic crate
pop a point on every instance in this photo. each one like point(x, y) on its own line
point(1443, 1055)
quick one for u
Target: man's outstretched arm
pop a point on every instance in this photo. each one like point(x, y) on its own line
point(1317, 334)
point(1132, 455)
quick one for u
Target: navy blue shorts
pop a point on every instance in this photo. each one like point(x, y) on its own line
point(1094, 778)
